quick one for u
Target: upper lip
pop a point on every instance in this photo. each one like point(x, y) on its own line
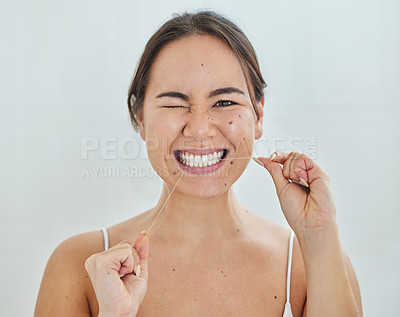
point(200, 151)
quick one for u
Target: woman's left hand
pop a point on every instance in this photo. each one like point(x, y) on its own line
point(308, 210)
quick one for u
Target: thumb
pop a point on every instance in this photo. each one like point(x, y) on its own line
point(276, 173)
point(142, 245)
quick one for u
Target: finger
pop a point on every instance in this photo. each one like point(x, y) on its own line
point(115, 258)
point(276, 173)
point(279, 157)
point(298, 168)
point(286, 166)
point(142, 247)
point(125, 257)
point(295, 168)
point(128, 265)
point(302, 169)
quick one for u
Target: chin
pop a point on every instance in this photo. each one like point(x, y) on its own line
point(205, 190)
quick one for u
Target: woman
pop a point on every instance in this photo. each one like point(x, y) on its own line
point(197, 101)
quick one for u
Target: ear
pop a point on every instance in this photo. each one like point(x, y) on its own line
point(259, 123)
point(141, 125)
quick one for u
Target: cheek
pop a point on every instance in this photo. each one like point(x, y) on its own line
point(238, 127)
point(161, 131)
point(164, 128)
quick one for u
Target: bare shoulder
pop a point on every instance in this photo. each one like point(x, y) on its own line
point(66, 284)
point(277, 238)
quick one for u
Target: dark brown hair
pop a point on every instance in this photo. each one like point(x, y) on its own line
point(202, 23)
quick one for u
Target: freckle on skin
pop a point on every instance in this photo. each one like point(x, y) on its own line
point(230, 122)
point(231, 162)
point(225, 184)
point(275, 297)
point(240, 116)
point(173, 269)
point(237, 230)
point(222, 271)
point(244, 138)
point(174, 173)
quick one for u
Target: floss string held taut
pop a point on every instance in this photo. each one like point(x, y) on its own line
point(161, 209)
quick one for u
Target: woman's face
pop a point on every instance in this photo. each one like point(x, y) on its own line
point(197, 116)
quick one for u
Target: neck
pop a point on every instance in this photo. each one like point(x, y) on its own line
point(194, 219)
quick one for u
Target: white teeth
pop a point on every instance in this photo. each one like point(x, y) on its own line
point(200, 160)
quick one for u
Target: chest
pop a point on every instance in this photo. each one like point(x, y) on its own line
point(230, 285)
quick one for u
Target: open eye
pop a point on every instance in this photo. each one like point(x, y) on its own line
point(224, 103)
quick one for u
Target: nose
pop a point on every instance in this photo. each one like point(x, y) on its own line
point(200, 125)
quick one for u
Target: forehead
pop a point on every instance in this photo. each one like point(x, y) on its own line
point(196, 61)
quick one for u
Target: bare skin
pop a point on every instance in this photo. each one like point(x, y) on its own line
point(207, 255)
point(252, 283)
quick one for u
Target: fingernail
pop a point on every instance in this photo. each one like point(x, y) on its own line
point(258, 161)
point(273, 155)
point(303, 182)
point(138, 270)
point(144, 232)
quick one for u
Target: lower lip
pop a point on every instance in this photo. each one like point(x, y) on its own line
point(202, 170)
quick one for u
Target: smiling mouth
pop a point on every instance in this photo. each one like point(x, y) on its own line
point(190, 159)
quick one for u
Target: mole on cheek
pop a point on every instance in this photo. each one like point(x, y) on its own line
point(240, 116)
point(230, 122)
point(231, 162)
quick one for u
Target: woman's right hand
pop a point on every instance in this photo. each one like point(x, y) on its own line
point(113, 273)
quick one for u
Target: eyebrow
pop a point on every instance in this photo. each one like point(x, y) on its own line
point(225, 91)
point(216, 92)
point(174, 94)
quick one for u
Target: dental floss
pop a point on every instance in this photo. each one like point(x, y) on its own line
point(147, 233)
point(155, 219)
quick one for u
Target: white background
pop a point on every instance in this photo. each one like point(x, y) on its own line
point(332, 69)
